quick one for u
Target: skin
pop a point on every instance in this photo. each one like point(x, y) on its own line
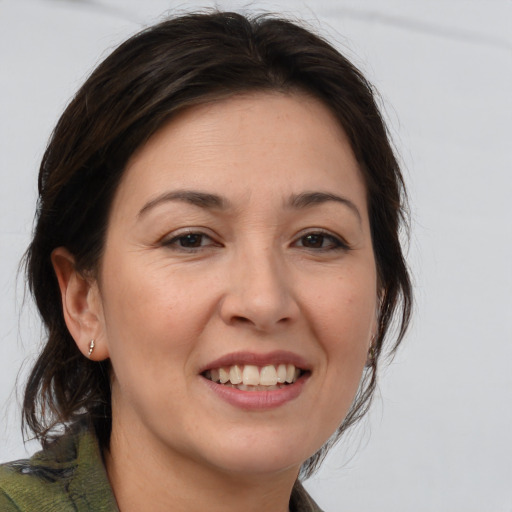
point(181, 285)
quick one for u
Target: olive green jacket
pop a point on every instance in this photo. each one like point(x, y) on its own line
point(70, 476)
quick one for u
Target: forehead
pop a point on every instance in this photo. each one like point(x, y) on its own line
point(272, 142)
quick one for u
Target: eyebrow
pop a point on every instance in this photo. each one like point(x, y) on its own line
point(201, 199)
point(216, 202)
point(308, 199)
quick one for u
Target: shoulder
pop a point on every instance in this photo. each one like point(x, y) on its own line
point(27, 487)
point(7, 504)
point(68, 475)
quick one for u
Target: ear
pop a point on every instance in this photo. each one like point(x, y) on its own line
point(81, 305)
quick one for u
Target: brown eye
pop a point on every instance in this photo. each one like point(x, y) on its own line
point(321, 241)
point(314, 241)
point(191, 240)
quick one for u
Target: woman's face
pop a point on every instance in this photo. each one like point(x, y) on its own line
point(239, 248)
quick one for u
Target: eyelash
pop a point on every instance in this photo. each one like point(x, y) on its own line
point(334, 242)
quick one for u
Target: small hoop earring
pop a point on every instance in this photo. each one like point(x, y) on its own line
point(91, 348)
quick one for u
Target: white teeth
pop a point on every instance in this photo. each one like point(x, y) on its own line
point(268, 376)
point(250, 375)
point(281, 373)
point(290, 373)
point(223, 376)
point(235, 374)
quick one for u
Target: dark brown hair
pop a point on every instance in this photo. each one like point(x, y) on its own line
point(162, 70)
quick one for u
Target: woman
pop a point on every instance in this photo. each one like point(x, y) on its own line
point(217, 262)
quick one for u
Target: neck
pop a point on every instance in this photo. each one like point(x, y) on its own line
point(148, 477)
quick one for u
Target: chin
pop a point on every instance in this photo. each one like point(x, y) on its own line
point(255, 455)
point(261, 463)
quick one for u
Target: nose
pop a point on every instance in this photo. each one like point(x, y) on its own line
point(259, 293)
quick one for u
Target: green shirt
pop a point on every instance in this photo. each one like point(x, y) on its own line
point(70, 476)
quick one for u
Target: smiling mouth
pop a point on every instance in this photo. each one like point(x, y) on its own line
point(255, 378)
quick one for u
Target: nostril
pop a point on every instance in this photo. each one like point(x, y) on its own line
point(241, 320)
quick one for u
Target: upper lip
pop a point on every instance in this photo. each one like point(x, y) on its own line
point(245, 358)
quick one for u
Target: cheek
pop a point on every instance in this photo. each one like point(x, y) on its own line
point(344, 321)
point(345, 310)
point(147, 323)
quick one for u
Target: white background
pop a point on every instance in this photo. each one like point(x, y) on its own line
point(439, 435)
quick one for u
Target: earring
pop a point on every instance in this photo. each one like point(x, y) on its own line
point(91, 348)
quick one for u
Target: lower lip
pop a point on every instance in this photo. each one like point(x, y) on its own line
point(258, 400)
